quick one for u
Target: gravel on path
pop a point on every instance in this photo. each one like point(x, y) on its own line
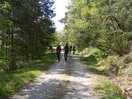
point(64, 80)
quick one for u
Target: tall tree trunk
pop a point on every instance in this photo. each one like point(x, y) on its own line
point(12, 53)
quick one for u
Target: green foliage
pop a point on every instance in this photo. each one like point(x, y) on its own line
point(104, 24)
point(115, 65)
point(86, 51)
point(109, 90)
point(26, 30)
point(91, 61)
point(10, 82)
point(117, 42)
point(98, 60)
point(4, 66)
point(105, 89)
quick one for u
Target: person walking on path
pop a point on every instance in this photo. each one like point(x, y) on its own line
point(58, 51)
point(70, 49)
point(66, 49)
point(74, 50)
point(50, 47)
point(71, 80)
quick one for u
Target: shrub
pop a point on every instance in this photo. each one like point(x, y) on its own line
point(4, 65)
point(109, 90)
point(114, 65)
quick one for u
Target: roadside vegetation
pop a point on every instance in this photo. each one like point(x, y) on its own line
point(108, 90)
point(11, 82)
point(113, 73)
point(26, 32)
point(101, 31)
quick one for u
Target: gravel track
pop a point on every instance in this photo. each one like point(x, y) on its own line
point(64, 80)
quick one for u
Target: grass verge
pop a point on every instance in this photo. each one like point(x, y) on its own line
point(108, 90)
point(104, 88)
point(90, 62)
point(12, 81)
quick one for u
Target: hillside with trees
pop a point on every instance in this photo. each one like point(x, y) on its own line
point(101, 30)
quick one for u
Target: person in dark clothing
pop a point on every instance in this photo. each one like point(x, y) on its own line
point(50, 47)
point(66, 50)
point(58, 50)
point(74, 49)
point(70, 49)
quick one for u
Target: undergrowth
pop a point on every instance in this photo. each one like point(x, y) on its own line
point(105, 88)
point(11, 82)
point(108, 90)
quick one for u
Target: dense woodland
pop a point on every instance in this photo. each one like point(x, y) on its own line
point(102, 29)
point(104, 24)
point(26, 30)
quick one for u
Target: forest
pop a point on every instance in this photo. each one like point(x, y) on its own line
point(101, 31)
point(26, 31)
point(104, 24)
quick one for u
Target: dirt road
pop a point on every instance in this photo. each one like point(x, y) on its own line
point(64, 80)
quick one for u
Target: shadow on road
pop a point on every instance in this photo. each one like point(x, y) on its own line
point(65, 80)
